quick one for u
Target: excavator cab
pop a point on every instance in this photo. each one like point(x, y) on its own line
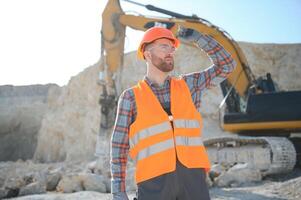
point(266, 109)
point(271, 112)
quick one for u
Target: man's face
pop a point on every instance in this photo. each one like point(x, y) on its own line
point(161, 54)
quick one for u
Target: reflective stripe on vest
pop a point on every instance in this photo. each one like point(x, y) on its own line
point(167, 144)
point(183, 123)
point(150, 131)
point(162, 146)
point(156, 148)
point(189, 141)
point(160, 128)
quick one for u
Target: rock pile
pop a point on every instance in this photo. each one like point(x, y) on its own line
point(233, 176)
point(27, 178)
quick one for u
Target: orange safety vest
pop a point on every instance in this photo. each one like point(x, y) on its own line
point(155, 144)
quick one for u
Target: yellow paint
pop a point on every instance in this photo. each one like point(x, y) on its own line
point(235, 127)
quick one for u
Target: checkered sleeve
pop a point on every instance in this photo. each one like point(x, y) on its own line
point(120, 140)
point(223, 65)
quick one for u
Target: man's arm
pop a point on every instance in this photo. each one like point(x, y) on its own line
point(120, 144)
point(223, 63)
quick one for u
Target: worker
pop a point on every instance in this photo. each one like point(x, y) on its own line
point(158, 123)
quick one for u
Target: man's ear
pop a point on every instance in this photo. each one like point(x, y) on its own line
point(147, 55)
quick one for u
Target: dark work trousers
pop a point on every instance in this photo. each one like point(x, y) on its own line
point(182, 184)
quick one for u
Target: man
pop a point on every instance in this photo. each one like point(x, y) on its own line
point(158, 124)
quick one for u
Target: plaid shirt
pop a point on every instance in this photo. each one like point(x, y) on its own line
point(223, 64)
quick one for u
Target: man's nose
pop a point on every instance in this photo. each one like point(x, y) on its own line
point(171, 53)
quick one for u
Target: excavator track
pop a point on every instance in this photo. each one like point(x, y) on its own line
point(270, 155)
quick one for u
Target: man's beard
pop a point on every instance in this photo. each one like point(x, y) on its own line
point(162, 64)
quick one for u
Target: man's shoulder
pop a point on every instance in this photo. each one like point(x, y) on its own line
point(127, 94)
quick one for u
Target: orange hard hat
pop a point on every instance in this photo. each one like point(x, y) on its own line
point(153, 34)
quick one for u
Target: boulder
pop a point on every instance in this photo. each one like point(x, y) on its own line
point(70, 183)
point(3, 193)
point(216, 170)
point(32, 188)
point(93, 182)
point(53, 178)
point(2, 181)
point(14, 183)
point(81, 181)
point(238, 175)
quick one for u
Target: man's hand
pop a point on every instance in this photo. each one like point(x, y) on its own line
point(120, 196)
point(188, 35)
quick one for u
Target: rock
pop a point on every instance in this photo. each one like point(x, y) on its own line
point(237, 175)
point(41, 176)
point(70, 183)
point(12, 186)
point(276, 59)
point(21, 111)
point(32, 188)
point(3, 193)
point(2, 181)
point(216, 170)
point(290, 188)
point(29, 178)
point(82, 195)
point(14, 183)
point(83, 181)
point(73, 121)
point(53, 178)
point(107, 182)
point(209, 181)
point(93, 182)
point(90, 168)
point(102, 165)
point(94, 167)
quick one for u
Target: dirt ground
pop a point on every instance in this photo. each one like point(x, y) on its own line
point(280, 187)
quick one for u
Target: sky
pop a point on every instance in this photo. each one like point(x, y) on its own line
point(49, 41)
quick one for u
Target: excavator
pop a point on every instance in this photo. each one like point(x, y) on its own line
point(262, 118)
